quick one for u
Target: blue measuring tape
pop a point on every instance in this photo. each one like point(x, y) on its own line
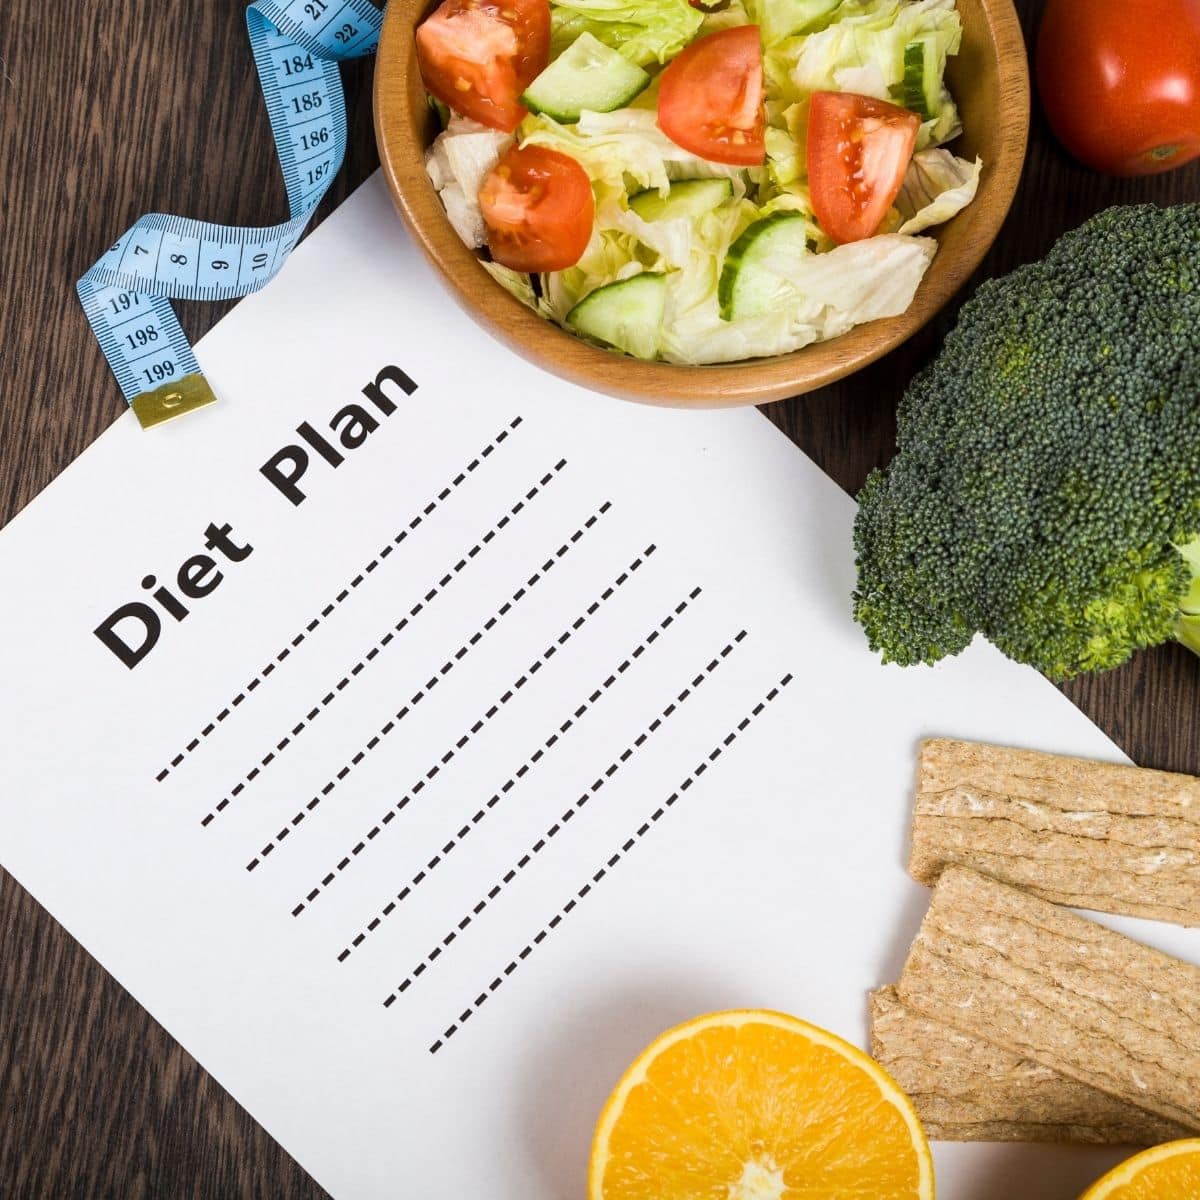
point(297, 45)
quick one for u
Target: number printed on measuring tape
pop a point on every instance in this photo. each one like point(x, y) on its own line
point(297, 46)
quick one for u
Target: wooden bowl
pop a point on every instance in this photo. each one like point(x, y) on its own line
point(990, 81)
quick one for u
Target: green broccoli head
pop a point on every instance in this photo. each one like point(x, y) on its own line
point(1046, 486)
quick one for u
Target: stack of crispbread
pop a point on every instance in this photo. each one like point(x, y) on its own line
point(1015, 1019)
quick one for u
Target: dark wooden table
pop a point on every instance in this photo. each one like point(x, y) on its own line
point(109, 110)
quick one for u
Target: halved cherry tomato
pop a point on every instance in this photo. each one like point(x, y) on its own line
point(539, 209)
point(478, 56)
point(859, 149)
point(1120, 82)
point(710, 99)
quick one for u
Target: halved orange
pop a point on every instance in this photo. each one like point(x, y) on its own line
point(1167, 1172)
point(756, 1105)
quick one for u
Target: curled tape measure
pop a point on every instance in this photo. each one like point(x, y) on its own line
point(297, 46)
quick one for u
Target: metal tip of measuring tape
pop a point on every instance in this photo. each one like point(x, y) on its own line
point(172, 400)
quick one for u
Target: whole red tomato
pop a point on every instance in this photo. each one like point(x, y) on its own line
point(1120, 81)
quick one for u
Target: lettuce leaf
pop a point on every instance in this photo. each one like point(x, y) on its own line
point(624, 244)
point(736, 12)
point(610, 255)
point(457, 162)
point(820, 295)
point(826, 294)
point(785, 157)
point(937, 186)
point(644, 31)
point(782, 18)
point(516, 283)
point(626, 150)
point(862, 50)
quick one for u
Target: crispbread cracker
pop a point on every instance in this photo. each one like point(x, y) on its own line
point(1054, 987)
point(967, 1090)
point(1088, 834)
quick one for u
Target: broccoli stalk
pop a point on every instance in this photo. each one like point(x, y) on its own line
point(1046, 486)
point(1187, 626)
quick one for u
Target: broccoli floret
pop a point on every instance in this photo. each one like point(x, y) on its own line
point(1046, 486)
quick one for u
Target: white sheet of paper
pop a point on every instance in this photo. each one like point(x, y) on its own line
point(480, 768)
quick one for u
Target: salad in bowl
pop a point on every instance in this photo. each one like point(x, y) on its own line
point(698, 186)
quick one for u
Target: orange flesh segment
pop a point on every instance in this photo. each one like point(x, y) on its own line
point(759, 1110)
point(1167, 1172)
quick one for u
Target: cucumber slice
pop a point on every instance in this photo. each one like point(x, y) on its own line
point(690, 198)
point(920, 88)
point(586, 75)
point(748, 286)
point(440, 111)
point(627, 314)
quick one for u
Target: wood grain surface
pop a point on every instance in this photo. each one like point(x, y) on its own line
point(115, 109)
